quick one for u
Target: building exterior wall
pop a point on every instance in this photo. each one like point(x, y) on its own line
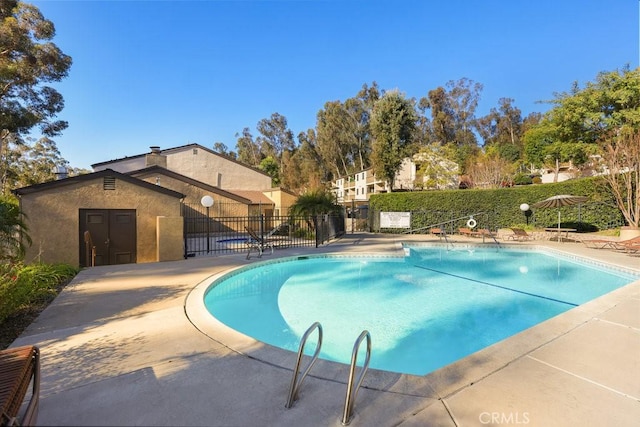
point(169, 237)
point(123, 165)
point(52, 217)
point(197, 163)
point(281, 199)
point(406, 176)
point(222, 206)
point(216, 170)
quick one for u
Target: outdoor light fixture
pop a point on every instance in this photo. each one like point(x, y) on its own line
point(207, 202)
point(526, 210)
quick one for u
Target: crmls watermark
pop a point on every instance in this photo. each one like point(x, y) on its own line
point(504, 418)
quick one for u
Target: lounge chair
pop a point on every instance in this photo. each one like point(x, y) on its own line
point(258, 243)
point(599, 243)
point(632, 248)
point(438, 232)
point(485, 232)
point(467, 232)
point(518, 234)
point(19, 367)
point(629, 245)
point(268, 242)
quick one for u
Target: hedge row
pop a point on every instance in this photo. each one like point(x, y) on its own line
point(499, 208)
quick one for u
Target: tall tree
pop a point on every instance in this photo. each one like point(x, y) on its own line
point(393, 125)
point(311, 170)
point(40, 162)
point(222, 148)
point(275, 136)
point(502, 129)
point(453, 116)
point(336, 138)
point(621, 156)
point(28, 62)
point(359, 109)
point(583, 116)
point(274, 140)
point(248, 150)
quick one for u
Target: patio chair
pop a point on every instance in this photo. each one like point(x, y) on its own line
point(518, 234)
point(258, 243)
point(19, 367)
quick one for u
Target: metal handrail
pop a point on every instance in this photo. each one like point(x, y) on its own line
point(352, 391)
point(440, 224)
point(295, 384)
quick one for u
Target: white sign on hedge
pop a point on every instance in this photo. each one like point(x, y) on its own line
point(395, 219)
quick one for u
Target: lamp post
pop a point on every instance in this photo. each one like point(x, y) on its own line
point(207, 202)
point(526, 211)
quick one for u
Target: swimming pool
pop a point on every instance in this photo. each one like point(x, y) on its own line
point(424, 311)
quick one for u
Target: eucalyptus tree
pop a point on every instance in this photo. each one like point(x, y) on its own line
point(275, 136)
point(311, 170)
point(502, 129)
point(359, 109)
point(393, 126)
point(442, 116)
point(453, 120)
point(248, 149)
point(336, 138)
point(39, 163)
point(222, 148)
point(29, 61)
point(275, 141)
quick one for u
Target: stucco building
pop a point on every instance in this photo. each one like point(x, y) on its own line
point(134, 209)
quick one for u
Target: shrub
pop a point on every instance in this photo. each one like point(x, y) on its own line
point(495, 208)
point(522, 179)
point(23, 286)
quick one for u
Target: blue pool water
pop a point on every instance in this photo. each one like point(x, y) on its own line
point(424, 311)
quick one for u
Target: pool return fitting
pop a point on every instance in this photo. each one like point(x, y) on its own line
point(352, 391)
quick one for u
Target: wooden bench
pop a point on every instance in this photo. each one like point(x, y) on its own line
point(19, 367)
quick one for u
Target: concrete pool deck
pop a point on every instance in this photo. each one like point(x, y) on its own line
point(118, 349)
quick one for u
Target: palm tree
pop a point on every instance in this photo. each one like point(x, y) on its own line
point(314, 203)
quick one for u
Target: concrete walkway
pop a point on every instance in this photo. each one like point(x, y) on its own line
point(119, 349)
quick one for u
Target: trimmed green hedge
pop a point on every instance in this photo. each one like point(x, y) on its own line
point(501, 207)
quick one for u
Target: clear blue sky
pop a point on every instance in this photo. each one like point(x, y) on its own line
point(170, 73)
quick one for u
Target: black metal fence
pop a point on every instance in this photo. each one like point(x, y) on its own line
point(205, 233)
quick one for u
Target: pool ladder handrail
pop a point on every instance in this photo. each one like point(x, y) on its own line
point(352, 391)
point(295, 384)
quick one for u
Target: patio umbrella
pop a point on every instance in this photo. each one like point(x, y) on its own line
point(558, 202)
